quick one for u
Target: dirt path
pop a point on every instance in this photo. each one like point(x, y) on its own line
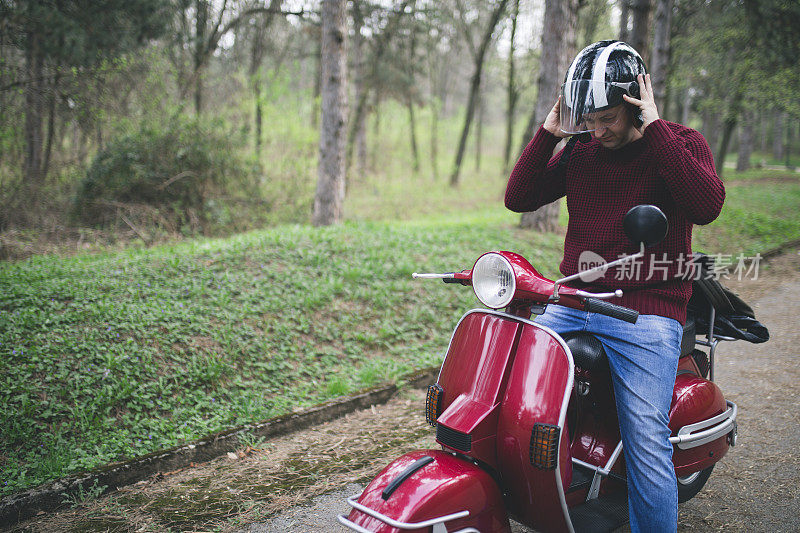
point(298, 483)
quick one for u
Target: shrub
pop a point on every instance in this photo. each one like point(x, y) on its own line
point(166, 175)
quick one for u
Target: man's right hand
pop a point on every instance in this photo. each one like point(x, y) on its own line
point(553, 121)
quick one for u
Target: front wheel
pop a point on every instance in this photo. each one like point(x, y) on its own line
point(690, 485)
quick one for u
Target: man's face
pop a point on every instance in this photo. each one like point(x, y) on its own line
point(612, 127)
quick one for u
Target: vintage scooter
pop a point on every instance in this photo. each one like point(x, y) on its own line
point(526, 418)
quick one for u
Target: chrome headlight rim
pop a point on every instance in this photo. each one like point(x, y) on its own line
point(503, 280)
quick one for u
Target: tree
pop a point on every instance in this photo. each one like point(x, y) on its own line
point(659, 63)
point(624, 19)
point(380, 45)
point(257, 48)
point(478, 54)
point(746, 140)
point(640, 30)
point(512, 92)
point(211, 21)
point(329, 198)
point(558, 38)
point(58, 37)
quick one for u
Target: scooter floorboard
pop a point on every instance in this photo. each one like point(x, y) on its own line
point(603, 514)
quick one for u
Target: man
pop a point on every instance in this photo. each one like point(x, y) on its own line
point(629, 156)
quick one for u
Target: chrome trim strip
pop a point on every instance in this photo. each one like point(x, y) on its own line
point(448, 275)
point(613, 458)
point(693, 435)
point(600, 473)
point(585, 464)
point(567, 390)
point(395, 523)
point(347, 523)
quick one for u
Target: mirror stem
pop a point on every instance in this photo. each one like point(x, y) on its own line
point(600, 268)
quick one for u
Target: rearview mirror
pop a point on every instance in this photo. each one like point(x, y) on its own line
point(645, 224)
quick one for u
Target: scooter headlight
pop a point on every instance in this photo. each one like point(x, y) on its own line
point(493, 280)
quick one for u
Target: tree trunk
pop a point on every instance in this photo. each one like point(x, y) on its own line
point(435, 107)
point(317, 81)
point(711, 127)
point(200, 24)
point(256, 58)
point(474, 89)
point(413, 126)
point(51, 125)
point(329, 198)
point(777, 136)
point(255, 80)
point(359, 88)
point(511, 92)
point(376, 127)
point(746, 140)
point(686, 106)
point(659, 65)
point(731, 118)
point(34, 111)
point(558, 39)
point(479, 132)
point(624, 19)
point(640, 30)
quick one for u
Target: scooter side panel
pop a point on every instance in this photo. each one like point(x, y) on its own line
point(538, 390)
point(476, 359)
point(472, 379)
point(447, 485)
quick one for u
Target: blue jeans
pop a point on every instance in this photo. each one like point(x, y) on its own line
point(644, 360)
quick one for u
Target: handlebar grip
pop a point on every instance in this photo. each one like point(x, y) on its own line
point(596, 305)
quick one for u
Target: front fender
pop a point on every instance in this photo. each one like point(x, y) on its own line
point(441, 491)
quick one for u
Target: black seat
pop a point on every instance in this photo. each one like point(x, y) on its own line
point(689, 334)
point(587, 351)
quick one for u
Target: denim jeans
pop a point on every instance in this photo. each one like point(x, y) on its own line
point(644, 360)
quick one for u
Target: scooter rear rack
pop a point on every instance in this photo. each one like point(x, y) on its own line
point(437, 523)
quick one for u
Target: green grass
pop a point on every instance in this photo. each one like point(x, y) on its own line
point(758, 215)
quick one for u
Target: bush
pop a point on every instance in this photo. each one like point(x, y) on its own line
point(163, 175)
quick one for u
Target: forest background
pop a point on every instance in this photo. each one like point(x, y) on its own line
point(134, 132)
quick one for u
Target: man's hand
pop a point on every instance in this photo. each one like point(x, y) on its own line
point(646, 101)
point(553, 121)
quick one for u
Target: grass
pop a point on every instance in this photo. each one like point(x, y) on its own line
point(760, 212)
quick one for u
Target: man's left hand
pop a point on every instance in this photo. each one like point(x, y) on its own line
point(646, 101)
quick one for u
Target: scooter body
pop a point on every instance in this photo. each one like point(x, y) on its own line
point(527, 423)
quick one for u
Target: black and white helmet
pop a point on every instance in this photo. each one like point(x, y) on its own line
point(596, 80)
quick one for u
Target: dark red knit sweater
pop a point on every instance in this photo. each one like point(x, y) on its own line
point(670, 166)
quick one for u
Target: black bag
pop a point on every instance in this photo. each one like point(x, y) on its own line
point(734, 318)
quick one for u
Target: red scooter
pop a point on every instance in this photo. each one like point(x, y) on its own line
point(526, 418)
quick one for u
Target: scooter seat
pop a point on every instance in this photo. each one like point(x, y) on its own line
point(587, 351)
point(689, 334)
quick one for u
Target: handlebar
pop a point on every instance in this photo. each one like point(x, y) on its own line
point(603, 307)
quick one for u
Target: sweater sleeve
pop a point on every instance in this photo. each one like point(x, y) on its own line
point(536, 179)
point(687, 167)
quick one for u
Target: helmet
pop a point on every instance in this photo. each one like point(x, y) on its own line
point(596, 80)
